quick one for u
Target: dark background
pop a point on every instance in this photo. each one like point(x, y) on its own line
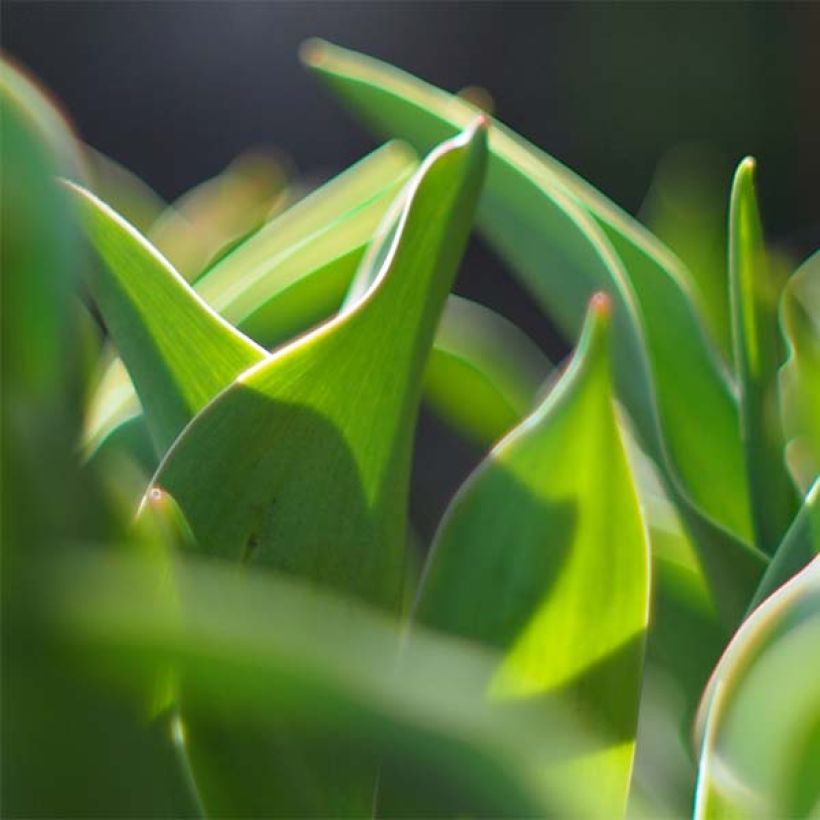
point(175, 90)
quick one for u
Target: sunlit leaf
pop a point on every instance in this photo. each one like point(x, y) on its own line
point(179, 352)
point(761, 712)
point(287, 277)
point(800, 376)
point(543, 554)
point(758, 348)
point(566, 241)
point(303, 464)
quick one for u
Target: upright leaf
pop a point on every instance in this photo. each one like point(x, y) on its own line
point(303, 465)
point(760, 716)
point(290, 275)
point(758, 348)
point(566, 241)
point(543, 554)
point(800, 375)
point(179, 353)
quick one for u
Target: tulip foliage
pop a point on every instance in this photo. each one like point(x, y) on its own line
point(216, 600)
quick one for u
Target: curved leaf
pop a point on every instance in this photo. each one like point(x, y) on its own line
point(800, 376)
point(798, 548)
point(543, 554)
point(760, 715)
point(179, 353)
point(290, 275)
point(566, 240)
point(758, 348)
point(303, 465)
point(483, 375)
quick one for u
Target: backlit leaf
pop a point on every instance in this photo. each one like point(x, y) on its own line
point(758, 348)
point(543, 555)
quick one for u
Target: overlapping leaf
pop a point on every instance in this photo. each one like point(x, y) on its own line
point(566, 240)
point(544, 555)
point(760, 717)
point(303, 464)
point(758, 348)
point(178, 351)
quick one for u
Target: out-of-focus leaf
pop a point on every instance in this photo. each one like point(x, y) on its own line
point(800, 376)
point(484, 374)
point(799, 546)
point(70, 748)
point(179, 352)
point(215, 214)
point(566, 241)
point(758, 348)
point(327, 667)
point(303, 465)
point(543, 554)
point(124, 191)
point(760, 715)
point(686, 209)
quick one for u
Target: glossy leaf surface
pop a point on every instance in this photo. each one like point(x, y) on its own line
point(544, 555)
point(547, 222)
point(761, 713)
point(758, 350)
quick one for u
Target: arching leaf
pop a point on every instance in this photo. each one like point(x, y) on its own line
point(566, 241)
point(760, 716)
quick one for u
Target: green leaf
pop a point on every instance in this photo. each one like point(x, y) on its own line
point(543, 554)
point(290, 275)
point(758, 348)
point(686, 210)
point(800, 375)
point(179, 353)
point(303, 465)
point(326, 667)
point(760, 716)
point(566, 241)
point(483, 375)
point(250, 469)
point(798, 548)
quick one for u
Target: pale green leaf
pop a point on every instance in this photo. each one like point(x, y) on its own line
point(758, 347)
point(543, 554)
point(686, 209)
point(761, 712)
point(179, 352)
point(800, 376)
point(566, 240)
